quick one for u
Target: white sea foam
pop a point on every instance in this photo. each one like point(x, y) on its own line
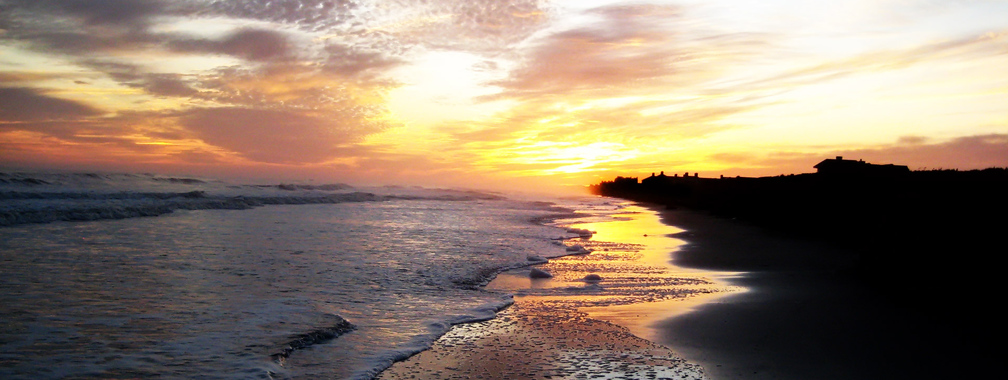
point(421, 342)
point(577, 249)
point(580, 232)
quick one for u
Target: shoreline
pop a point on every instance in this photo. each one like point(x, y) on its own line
point(565, 327)
point(531, 340)
point(804, 314)
point(808, 315)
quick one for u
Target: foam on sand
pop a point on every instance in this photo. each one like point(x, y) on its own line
point(532, 340)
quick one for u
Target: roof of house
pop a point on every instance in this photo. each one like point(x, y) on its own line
point(840, 165)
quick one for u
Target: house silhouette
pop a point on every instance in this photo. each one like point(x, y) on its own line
point(840, 167)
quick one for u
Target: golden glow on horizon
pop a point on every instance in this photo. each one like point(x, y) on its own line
point(572, 157)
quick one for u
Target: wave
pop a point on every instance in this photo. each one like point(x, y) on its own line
point(424, 341)
point(78, 179)
point(32, 198)
point(321, 335)
point(295, 187)
point(22, 195)
point(89, 207)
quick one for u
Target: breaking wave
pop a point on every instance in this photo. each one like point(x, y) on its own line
point(27, 198)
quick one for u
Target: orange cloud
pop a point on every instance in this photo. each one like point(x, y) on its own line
point(246, 43)
point(19, 105)
point(272, 136)
point(630, 46)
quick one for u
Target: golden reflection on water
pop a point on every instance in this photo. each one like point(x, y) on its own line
point(633, 253)
point(639, 226)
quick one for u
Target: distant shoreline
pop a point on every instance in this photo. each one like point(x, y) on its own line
point(924, 242)
point(905, 229)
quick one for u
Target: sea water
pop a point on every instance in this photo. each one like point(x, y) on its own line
point(132, 276)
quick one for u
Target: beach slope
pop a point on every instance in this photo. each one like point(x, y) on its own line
point(807, 314)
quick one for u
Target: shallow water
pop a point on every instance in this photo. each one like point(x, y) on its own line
point(633, 281)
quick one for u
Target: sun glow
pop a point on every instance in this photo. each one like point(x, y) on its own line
point(570, 157)
point(442, 86)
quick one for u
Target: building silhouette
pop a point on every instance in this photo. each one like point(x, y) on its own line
point(858, 168)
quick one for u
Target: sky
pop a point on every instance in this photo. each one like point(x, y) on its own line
point(527, 95)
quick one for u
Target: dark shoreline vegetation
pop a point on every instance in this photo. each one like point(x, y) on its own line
point(929, 240)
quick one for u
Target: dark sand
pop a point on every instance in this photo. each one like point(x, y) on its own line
point(808, 315)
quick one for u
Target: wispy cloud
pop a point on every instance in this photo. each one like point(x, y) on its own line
point(629, 46)
point(19, 105)
point(304, 78)
point(272, 136)
point(292, 94)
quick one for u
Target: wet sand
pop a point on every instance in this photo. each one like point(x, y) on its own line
point(532, 340)
point(563, 327)
point(807, 315)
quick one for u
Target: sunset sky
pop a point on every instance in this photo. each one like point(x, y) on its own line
point(534, 95)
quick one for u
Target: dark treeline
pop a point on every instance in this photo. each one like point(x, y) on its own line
point(923, 237)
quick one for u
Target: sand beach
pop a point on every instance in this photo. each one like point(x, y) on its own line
point(778, 308)
point(531, 340)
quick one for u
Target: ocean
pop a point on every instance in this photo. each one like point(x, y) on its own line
point(141, 275)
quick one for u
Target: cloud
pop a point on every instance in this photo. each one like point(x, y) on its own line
point(965, 152)
point(89, 12)
point(81, 26)
point(959, 49)
point(485, 25)
point(82, 42)
point(351, 40)
point(133, 76)
point(564, 82)
point(305, 14)
point(641, 53)
point(168, 85)
point(26, 77)
point(275, 136)
point(324, 35)
point(352, 61)
point(631, 76)
point(250, 44)
point(628, 46)
point(488, 26)
point(18, 104)
point(300, 87)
